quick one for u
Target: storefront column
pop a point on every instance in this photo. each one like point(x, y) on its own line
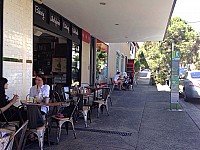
point(92, 61)
point(69, 62)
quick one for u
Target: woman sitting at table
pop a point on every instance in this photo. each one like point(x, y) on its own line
point(117, 80)
point(40, 91)
point(9, 111)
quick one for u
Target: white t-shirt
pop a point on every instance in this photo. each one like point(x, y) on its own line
point(116, 77)
point(42, 92)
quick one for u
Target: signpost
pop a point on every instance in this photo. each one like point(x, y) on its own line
point(175, 58)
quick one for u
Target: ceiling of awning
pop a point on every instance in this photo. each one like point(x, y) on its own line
point(118, 20)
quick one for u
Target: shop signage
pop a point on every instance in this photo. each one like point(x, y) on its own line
point(40, 12)
point(85, 36)
point(66, 26)
point(46, 18)
point(55, 20)
point(75, 31)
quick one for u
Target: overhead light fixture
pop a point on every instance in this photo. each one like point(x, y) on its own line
point(102, 3)
point(37, 32)
point(117, 24)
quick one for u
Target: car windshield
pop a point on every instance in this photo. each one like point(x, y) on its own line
point(195, 74)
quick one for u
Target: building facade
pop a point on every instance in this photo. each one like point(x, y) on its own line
point(118, 56)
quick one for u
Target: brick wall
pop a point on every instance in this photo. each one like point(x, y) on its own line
point(18, 45)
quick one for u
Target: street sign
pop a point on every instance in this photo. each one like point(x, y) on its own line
point(175, 58)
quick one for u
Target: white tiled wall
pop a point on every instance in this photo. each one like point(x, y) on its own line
point(18, 43)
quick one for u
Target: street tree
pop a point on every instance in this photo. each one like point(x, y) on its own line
point(185, 39)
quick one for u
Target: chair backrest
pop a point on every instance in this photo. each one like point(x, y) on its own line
point(70, 110)
point(105, 93)
point(57, 96)
point(19, 136)
point(34, 116)
point(65, 93)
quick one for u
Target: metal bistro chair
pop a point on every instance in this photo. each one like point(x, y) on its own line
point(37, 125)
point(103, 102)
point(114, 85)
point(84, 107)
point(19, 137)
point(68, 113)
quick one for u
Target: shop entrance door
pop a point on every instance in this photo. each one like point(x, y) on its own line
point(60, 68)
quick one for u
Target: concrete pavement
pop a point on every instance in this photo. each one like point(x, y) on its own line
point(139, 120)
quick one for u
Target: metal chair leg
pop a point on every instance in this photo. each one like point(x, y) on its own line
point(110, 101)
point(85, 117)
point(99, 109)
point(89, 114)
point(73, 128)
point(106, 105)
point(59, 132)
point(40, 135)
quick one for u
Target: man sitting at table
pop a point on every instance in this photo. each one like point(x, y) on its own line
point(40, 91)
point(117, 80)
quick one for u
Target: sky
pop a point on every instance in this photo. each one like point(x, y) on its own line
point(188, 10)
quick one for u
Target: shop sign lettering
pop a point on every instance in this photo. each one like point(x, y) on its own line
point(66, 26)
point(39, 11)
point(75, 31)
point(55, 20)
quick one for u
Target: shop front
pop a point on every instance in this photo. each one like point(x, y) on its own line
point(56, 47)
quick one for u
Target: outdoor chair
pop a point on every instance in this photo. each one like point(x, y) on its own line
point(65, 115)
point(111, 86)
point(37, 125)
point(84, 107)
point(103, 102)
point(12, 125)
point(18, 138)
point(65, 93)
point(114, 85)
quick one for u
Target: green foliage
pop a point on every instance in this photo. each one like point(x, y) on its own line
point(185, 39)
point(137, 66)
point(101, 57)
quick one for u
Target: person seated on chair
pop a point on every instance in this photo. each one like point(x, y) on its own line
point(8, 111)
point(40, 91)
point(117, 80)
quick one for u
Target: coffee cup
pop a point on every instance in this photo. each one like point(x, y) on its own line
point(31, 99)
point(37, 99)
point(46, 100)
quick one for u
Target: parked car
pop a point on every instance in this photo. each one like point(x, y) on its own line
point(146, 73)
point(191, 85)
